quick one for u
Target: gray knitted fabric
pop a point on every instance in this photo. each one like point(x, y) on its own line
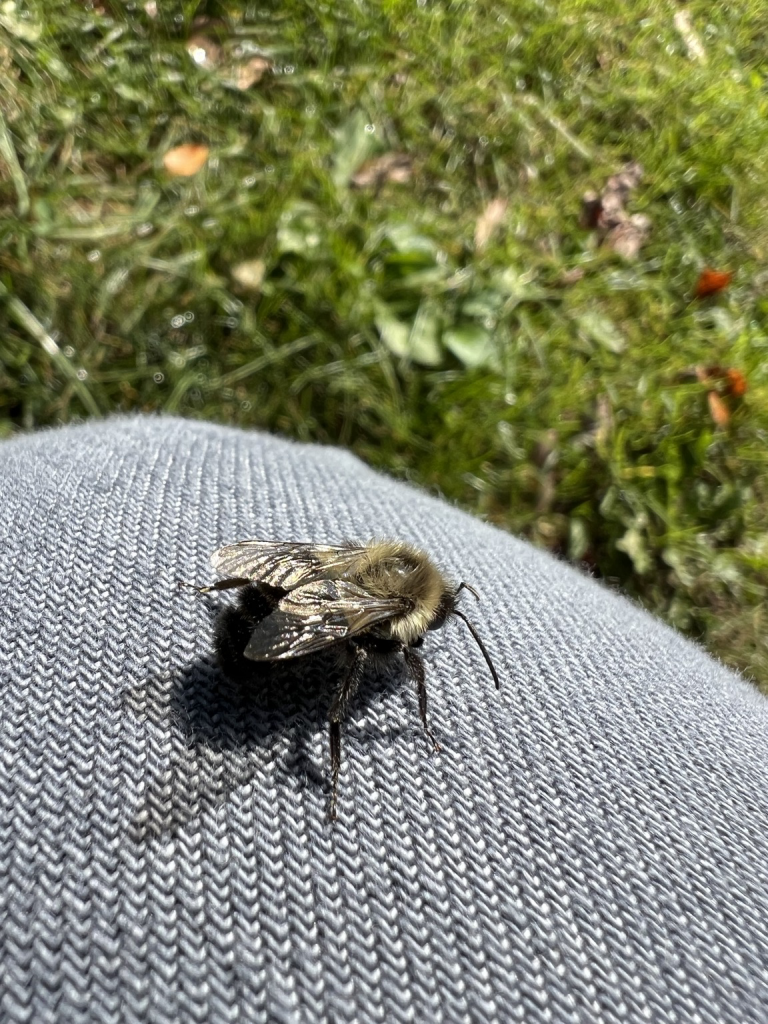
point(591, 845)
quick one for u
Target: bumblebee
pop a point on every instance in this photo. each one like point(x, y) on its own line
point(370, 602)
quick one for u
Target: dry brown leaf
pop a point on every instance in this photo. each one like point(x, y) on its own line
point(394, 167)
point(737, 382)
point(249, 274)
point(628, 238)
point(733, 381)
point(682, 22)
point(251, 72)
point(718, 410)
point(186, 160)
point(544, 448)
point(711, 282)
point(724, 384)
point(569, 277)
point(209, 24)
point(203, 51)
point(603, 421)
point(615, 195)
point(86, 212)
point(490, 219)
point(591, 208)
point(606, 212)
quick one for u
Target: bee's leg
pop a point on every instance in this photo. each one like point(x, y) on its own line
point(236, 581)
point(335, 744)
point(356, 659)
point(416, 668)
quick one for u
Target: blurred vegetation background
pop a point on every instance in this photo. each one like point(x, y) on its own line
point(364, 222)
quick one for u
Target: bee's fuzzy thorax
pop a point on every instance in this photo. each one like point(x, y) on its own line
point(396, 568)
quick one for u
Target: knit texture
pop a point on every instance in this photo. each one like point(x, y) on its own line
point(590, 845)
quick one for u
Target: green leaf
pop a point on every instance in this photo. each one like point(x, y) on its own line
point(418, 342)
point(578, 539)
point(598, 328)
point(515, 287)
point(299, 229)
point(483, 304)
point(472, 345)
point(424, 339)
point(129, 93)
point(633, 544)
point(394, 333)
point(355, 143)
point(406, 239)
point(12, 20)
point(413, 265)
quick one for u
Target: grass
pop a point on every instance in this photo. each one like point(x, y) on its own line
point(541, 380)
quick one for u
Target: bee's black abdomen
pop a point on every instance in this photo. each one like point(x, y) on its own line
point(234, 627)
point(256, 602)
point(229, 639)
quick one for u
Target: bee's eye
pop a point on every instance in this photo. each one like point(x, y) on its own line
point(447, 604)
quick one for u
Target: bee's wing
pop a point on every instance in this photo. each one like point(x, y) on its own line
point(282, 564)
point(318, 615)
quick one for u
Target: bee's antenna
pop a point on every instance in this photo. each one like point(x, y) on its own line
point(192, 586)
point(229, 584)
point(480, 644)
point(466, 586)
